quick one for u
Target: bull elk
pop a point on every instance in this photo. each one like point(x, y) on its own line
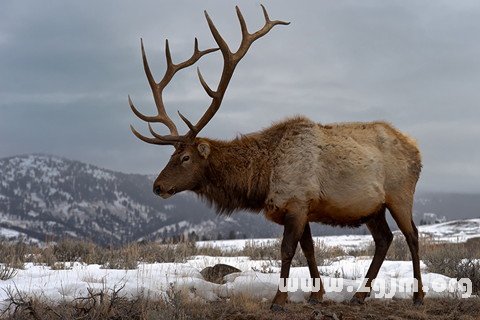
point(295, 172)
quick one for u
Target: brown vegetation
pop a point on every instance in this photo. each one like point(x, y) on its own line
point(455, 260)
point(178, 305)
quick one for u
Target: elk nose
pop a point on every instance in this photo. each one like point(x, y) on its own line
point(157, 190)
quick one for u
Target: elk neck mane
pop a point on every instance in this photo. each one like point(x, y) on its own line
point(238, 173)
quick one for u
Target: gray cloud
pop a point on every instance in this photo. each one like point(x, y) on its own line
point(66, 70)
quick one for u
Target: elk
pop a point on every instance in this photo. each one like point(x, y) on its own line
point(297, 171)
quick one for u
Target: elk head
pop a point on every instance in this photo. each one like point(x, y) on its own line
point(187, 164)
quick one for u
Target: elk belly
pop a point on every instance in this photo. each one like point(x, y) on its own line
point(345, 212)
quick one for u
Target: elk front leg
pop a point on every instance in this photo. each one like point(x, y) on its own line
point(294, 225)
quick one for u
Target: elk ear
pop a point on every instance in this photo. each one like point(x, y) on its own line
point(204, 149)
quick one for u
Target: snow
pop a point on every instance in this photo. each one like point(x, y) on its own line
point(99, 173)
point(155, 279)
point(169, 206)
point(347, 242)
point(451, 231)
point(9, 233)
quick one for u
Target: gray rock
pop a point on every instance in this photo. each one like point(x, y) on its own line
point(216, 273)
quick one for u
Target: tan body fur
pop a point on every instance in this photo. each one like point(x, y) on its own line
point(335, 174)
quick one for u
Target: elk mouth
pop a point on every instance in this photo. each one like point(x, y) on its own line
point(168, 194)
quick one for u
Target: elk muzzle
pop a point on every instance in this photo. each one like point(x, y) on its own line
point(163, 191)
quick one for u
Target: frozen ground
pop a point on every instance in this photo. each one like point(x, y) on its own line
point(257, 278)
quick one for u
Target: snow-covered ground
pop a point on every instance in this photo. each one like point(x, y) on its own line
point(258, 278)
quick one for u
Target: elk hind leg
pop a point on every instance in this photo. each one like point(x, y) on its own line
point(402, 213)
point(306, 243)
point(382, 235)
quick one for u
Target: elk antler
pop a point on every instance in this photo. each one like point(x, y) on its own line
point(230, 61)
point(157, 91)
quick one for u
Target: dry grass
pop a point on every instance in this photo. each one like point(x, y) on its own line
point(455, 260)
point(13, 254)
point(271, 251)
point(180, 305)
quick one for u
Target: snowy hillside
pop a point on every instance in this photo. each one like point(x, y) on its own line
point(44, 198)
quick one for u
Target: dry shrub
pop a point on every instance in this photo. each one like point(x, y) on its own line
point(106, 304)
point(73, 250)
point(264, 251)
point(170, 252)
point(123, 258)
point(210, 251)
point(368, 250)
point(113, 305)
point(455, 260)
point(271, 251)
point(7, 272)
point(399, 250)
point(323, 254)
point(14, 254)
point(56, 255)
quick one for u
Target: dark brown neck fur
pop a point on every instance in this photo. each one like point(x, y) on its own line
point(238, 174)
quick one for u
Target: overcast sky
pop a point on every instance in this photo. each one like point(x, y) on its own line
point(66, 68)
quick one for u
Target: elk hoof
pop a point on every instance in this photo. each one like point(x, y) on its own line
point(418, 302)
point(357, 300)
point(277, 308)
point(314, 301)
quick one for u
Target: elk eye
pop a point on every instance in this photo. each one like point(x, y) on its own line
point(185, 158)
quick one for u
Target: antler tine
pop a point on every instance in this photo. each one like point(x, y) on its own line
point(248, 39)
point(243, 24)
point(223, 46)
point(230, 62)
point(149, 140)
point(157, 91)
point(205, 86)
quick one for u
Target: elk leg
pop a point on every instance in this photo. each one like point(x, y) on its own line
point(306, 243)
point(294, 224)
point(403, 217)
point(382, 235)
point(412, 241)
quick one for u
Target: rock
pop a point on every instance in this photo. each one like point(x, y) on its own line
point(216, 273)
